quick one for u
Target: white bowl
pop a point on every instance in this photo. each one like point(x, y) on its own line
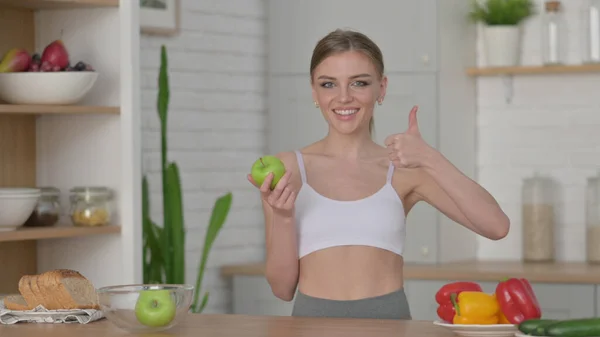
point(16, 205)
point(53, 88)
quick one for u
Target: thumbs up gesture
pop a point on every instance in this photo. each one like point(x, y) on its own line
point(408, 149)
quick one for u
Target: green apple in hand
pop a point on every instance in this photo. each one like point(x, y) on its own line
point(155, 308)
point(264, 165)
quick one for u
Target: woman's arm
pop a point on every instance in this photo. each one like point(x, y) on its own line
point(461, 199)
point(443, 186)
point(282, 254)
point(282, 266)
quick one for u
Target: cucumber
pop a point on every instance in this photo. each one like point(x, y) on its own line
point(535, 327)
point(580, 327)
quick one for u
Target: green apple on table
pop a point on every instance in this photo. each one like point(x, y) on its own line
point(155, 308)
point(263, 166)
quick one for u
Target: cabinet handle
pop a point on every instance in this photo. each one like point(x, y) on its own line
point(425, 251)
point(425, 59)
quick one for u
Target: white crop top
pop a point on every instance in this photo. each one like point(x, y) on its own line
point(377, 220)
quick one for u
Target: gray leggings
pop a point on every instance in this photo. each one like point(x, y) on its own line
point(389, 306)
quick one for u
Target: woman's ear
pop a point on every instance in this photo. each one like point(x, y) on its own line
point(382, 89)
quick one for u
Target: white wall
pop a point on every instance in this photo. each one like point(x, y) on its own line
point(216, 127)
point(552, 127)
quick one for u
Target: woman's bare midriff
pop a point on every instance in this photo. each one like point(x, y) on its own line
point(350, 273)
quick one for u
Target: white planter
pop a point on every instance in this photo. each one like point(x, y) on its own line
point(502, 45)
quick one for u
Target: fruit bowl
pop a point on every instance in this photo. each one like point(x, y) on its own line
point(52, 88)
point(16, 205)
point(146, 307)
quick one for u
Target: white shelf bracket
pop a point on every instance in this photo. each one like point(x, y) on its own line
point(508, 88)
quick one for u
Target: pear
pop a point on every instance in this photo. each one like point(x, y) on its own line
point(56, 55)
point(15, 60)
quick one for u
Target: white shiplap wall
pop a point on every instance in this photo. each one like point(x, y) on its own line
point(551, 126)
point(216, 127)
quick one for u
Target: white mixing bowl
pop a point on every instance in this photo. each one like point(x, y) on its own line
point(53, 88)
point(16, 205)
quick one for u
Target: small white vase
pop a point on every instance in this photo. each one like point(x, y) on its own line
point(502, 45)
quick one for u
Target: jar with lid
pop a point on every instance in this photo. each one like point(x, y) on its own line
point(47, 210)
point(90, 206)
point(554, 42)
point(538, 219)
point(592, 219)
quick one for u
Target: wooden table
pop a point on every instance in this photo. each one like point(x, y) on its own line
point(246, 326)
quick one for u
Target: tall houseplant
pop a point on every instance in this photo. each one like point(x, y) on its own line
point(501, 20)
point(164, 247)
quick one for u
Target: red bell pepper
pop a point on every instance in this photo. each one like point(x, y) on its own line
point(446, 310)
point(517, 300)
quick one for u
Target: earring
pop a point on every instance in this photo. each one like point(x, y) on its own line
point(380, 102)
point(316, 105)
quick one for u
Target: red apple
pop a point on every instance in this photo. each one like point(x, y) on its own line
point(55, 54)
point(15, 60)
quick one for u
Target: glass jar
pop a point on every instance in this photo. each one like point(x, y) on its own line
point(592, 219)
point(90, 206)
point(590, 31)
point(553, 35)
point(538, 219)
point(47, 211)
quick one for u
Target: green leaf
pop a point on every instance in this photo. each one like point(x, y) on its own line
point(163, 86)
point(501, 12)
point(153, 263)
point(217, 219)
point(202, 305)
point(176, 222)
point(162, 106)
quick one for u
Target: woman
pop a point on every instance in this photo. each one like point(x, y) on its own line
point(335, 222)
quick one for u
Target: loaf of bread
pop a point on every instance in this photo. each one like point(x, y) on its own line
point(55, 290)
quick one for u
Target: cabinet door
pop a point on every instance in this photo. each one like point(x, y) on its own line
point(405, 91)
point(404, 30)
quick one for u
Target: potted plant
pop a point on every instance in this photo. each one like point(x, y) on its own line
point(164, 247)
point(501, 27)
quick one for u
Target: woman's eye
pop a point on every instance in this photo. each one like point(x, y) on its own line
point(326, 84)
point(360, 83)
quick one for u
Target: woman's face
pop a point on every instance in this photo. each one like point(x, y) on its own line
point(346, 86)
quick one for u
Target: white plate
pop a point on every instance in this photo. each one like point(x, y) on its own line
point(483, 330)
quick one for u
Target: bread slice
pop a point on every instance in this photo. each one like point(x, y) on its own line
point(67, 289)
point(16, 302)
point(26, 292)
point(41, 297)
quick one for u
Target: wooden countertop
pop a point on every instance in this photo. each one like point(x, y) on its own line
point(558, 272)
point(238, 325)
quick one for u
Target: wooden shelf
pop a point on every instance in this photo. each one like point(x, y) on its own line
point(57, 109)
point(59, 231)
point(58, 4)
point(533, 70)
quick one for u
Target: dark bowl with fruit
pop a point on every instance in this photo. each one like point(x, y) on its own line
point(51, 75)
point(146, 307)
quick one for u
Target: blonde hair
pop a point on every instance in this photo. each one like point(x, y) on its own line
point(340, 41)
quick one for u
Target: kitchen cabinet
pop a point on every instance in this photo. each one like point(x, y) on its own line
point(427, 44)
point(95, 142)
point(252, 296)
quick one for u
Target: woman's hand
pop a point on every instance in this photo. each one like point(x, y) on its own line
point(282, 198)
point(408, 149)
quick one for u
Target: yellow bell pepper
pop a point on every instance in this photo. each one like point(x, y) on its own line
point(501, 317)
point(475, 307)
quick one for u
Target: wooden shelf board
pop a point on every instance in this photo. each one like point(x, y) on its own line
point(56, 232)
point(58, 4)
point(57, 109)
point(532, 70)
